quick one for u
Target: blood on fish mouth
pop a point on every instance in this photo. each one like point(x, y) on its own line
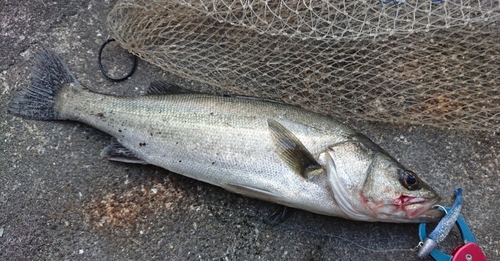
point(412, 206)
point(404, 201)
point(417, 206)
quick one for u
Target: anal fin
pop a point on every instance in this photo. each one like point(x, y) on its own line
point(117, 152)
point(253, 192)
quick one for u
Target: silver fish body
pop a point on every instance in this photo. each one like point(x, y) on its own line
point(258, 148)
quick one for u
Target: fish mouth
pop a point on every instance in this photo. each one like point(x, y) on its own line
point(422, 209)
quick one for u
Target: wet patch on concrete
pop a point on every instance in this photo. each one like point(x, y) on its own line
point(135, 204)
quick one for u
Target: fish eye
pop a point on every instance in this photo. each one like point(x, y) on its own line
point(409, 180)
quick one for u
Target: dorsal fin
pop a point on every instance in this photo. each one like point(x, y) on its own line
point(166, 88)
point(291, 150)
point(251, 98)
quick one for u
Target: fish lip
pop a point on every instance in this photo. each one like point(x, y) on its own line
point(427, 211)
point(419, 208)
point(433, 214)
point(413, 200)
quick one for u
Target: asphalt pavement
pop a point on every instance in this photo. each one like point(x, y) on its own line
point(60, 200)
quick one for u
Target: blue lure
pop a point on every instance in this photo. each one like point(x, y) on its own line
point(444, 226)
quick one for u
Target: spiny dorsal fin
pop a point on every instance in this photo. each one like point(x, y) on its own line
point(165, 88)
point(117, 152)
point(251, 98)
point(291, 150)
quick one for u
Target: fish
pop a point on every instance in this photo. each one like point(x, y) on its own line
point(259, 148)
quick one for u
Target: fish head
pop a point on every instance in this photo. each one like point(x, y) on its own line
point(369, 185)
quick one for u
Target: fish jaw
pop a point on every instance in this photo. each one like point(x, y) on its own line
point(414, 206)
point(400, 207)
point(405, 209)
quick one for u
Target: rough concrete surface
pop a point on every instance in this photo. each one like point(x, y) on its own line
point(59, 200)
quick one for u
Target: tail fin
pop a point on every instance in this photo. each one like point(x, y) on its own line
point(49, 75)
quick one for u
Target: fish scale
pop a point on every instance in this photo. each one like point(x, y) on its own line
point(258, 148)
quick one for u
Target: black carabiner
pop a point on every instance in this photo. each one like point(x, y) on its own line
point(99, 61)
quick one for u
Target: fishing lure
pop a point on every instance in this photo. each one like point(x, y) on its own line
point(466, 252)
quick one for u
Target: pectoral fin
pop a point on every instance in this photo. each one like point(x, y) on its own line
point(117, 152)
point(291, 150)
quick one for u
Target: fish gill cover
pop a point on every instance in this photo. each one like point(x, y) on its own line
point(411, 62)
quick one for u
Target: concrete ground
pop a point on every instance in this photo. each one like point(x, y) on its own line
point(59, 200)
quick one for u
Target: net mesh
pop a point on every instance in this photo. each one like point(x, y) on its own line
point(412, 62)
